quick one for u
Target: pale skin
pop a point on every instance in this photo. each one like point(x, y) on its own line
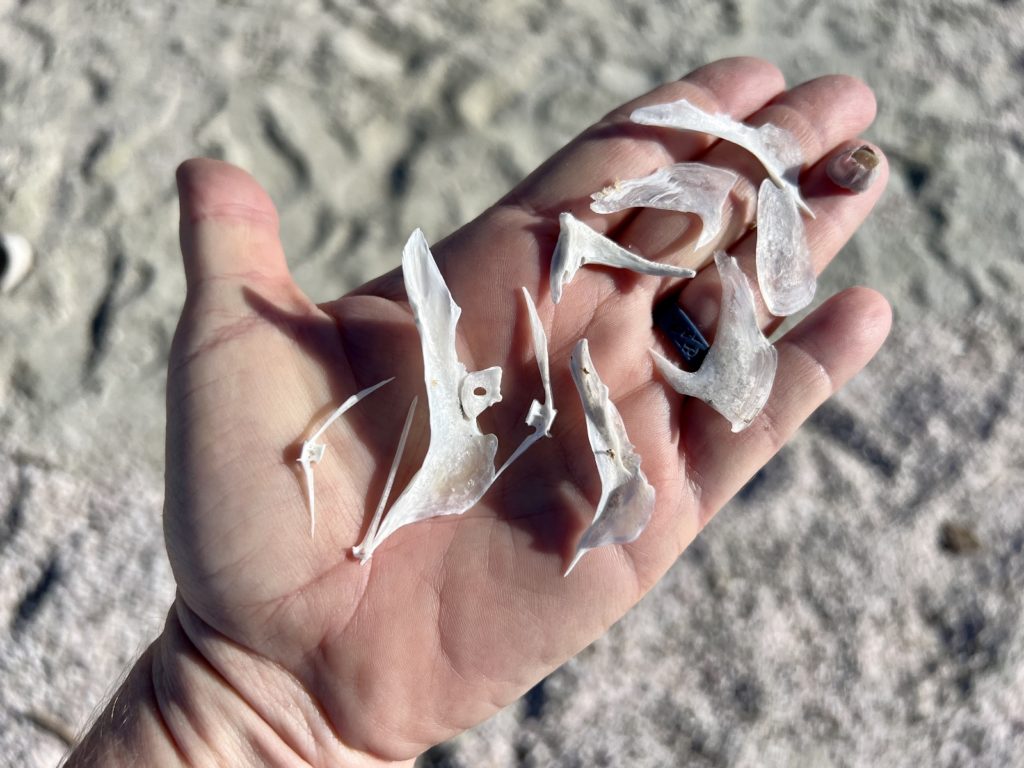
point(283, 650)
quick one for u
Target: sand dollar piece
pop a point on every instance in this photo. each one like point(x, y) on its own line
point(459, 465)
point(627, 499)
point(783, 258)
point(579, 245)
point(737, 374)
point(685, 187)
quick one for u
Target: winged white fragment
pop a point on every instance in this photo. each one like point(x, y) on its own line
point(579, 245)
point(687, 187)
point(541, 415)
point(312, 451)
point(459, 465)
point(737, 374)
point(775, 148)
point(627, 499)
point(785, 273)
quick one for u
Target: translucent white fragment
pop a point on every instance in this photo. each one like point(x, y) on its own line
point(17, 260)
point(775, 148)
point(459, 465)
point(579, 245)
point(737, 374)
point(785, 273)
point(541, 415)
point(627, 499)
point(312, 451)
point(686, 187)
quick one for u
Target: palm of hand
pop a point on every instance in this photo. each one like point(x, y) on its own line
point(453, 617)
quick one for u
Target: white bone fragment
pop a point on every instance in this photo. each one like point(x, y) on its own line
point(379, 512)
point(785, 273)
point(541, 415)
point(685, 187)
point(775, 148)
point(312, 451)
point(17, 260)
point(737, 374)
point(627, 499)
point(579, 245)
point(459, 465)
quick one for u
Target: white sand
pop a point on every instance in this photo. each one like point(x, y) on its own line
point(817, 622)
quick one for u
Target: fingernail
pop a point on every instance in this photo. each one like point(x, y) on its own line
point(854, 169)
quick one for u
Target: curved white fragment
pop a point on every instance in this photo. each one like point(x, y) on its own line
point(541, 415)
point(737, 374)
point(579, 245)
point(18, 260)
point(785, 273)
point(775, 148)
point(686, 187)
point(627, 499)
point(312, 451)
point(459, 465)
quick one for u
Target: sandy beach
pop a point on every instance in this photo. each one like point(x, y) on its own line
point(858, 604)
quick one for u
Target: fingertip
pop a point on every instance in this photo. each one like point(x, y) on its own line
point(214, 189)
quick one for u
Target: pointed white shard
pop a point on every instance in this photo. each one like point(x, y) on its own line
point(627, 499)
point(312, 451)
point(379, 512)
point(685, 187)
point(775, 148)
point(737, 374)
point(785, 273)
point(579, 245)
point(541, 415)
point(459, 465)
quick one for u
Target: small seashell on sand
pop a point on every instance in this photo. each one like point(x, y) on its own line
point(15, 260)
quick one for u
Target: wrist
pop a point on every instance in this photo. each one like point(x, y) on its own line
point(197, 699)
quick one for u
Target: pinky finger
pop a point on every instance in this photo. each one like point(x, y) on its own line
point(816, 358)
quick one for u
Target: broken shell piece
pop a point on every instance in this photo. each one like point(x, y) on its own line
point(775, 148)
point(855, 169)
point(686, 187)
point(627, 499)
point(785, 273)
point(579, 245)
point(541, 415)
point(459, 465)
point(312, 451)
point(15, 260)
point(737, 374)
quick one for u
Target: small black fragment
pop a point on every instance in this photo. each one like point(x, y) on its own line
point(681, 331)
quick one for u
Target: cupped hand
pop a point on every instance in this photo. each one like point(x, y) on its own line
point(455, 617)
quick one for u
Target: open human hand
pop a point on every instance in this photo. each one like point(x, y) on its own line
point(282, 647)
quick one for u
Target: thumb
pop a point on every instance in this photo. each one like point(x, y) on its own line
point(228, 231)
